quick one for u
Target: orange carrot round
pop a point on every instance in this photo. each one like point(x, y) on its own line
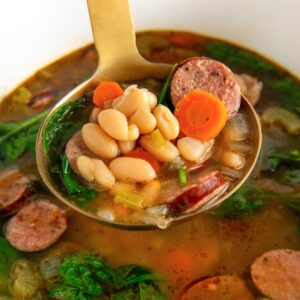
point(201, 115)
point(142, 154)
point(105, 91)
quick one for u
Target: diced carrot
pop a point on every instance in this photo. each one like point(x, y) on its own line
point(183, 40)
point(122, 212)
point(105, 91)
point(142, 154)
point(201, 115)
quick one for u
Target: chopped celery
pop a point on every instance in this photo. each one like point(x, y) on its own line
point(22, 95)
point(158, 138)
point(182, 177)
point(287, 119)
point(132, 199)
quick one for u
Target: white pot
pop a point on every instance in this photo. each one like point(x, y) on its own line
point(36, 32)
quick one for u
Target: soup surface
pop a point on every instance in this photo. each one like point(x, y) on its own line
point(263, 215)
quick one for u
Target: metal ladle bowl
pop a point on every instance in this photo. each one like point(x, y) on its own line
point(120, 61)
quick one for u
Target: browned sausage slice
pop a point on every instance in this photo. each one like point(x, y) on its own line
point(276, 274)
point(218, 288)
point(36, 226)
point(14, 189)
point(196, 195)
point(209, 75)
point(74, 148)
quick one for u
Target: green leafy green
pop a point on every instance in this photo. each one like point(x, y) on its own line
point(290, 93)
point(275, 158)
point(17, 138)
point(164, 95)
point(8, 255)
point(291, 176)
point(59, 128)
point(80, 193)
point(182, 177)
point(238, 58)
point(86, 277)
point(248, 199)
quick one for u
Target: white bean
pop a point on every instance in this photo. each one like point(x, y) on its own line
point(133, 100)
point(132, 169)
point(127, 146)
point(133, 132)
point(233, 160)
point(192, 149)
point(144, 120)
point(94, 115)
point(150, 193)
point(166, 153)
point(98, 142)
point(152, 100)
point(86, 167)
point(102, 174)
point(166, 122)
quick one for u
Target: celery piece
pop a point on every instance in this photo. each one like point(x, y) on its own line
point(132, 199)
point(22, 95)
point(158, 138)
point(182, 177)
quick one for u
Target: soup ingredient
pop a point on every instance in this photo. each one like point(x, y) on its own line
point(150, 193)
point(275, 158)
point(201, 115)
point(134, 99)
point(158, 138)
point(289, 120)
point(166, 152)
point(85, 166)
point(106, 91)
point(22, 95)
point(103, 175)
point(233, 160)
point(166, 122)
point(192, 149)
point(144, 120)
point(276, 274)
point(289, 89)
point(239, 58)
point(98, 142)
point(208, 75)
point(114, 123)
point(8, 255)
point(163, 97)
point(80, 193)
point(142, 154)
point(41, 98)
point(84, 276)
point(49, 267)
point(236, 129)
point(291, 176)
point(248, 199)
point(127, 146)
point(250, 87)
point(132, 169)
point(36, 226)
point(14, 190)
point(94, 115)
point(224, 287)
point(196, 195)
point(25, 280)
point(182, 177)
point(130, 199)
point(17, 138)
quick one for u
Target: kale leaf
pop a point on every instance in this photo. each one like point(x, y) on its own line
point(8, 255)
point(248, 199)
point(237, 58)
point(18, 137)
point(276, 158)
point(291, 176)
point(80, 193)
point(87, 277)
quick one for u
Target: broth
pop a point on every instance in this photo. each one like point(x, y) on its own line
point(208, 245)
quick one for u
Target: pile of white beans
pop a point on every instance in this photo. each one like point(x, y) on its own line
point(129, 122)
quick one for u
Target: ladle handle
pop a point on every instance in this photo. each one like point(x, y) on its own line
point(113, 31)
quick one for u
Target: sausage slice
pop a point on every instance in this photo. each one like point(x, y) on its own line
point(217, 288)
point(76, 147)
point(14, 190)
point(209, 75)
point(196, 195)
point(36, 226)
point(276, 274)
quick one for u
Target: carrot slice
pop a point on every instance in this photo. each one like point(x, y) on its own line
point(142, 154)
point(201, 115)
point(105, 91)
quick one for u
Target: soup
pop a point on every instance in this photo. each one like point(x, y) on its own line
point(220, 245)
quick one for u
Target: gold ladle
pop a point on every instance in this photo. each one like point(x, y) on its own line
point(120, 61)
